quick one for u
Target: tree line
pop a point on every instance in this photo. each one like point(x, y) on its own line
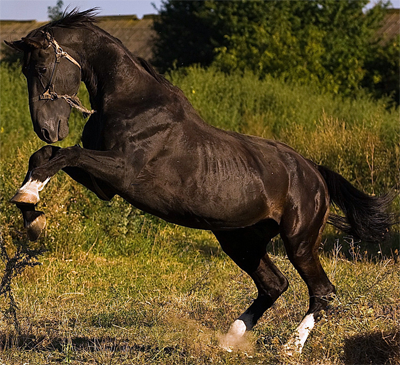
point(329, 43)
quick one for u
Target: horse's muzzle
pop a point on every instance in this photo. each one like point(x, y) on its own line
point(54, 132)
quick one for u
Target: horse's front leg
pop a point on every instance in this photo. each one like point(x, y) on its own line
point(27, 196)
point(45, 163)
point(107, 166)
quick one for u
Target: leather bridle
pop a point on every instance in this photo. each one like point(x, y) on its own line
point(49, 93)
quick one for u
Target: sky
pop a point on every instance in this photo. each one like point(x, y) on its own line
point(37, 9)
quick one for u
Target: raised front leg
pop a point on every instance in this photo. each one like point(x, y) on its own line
point(34, 221)
point(85, 166)
point(95, 170)
point(27, 196)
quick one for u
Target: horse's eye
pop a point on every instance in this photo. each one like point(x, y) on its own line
point(42, 70)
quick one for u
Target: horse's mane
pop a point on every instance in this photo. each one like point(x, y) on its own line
point(77, 19)
point(152, 71)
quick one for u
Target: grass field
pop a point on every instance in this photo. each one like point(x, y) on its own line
point(117, 286)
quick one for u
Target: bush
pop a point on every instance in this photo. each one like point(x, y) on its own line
point(331, 44)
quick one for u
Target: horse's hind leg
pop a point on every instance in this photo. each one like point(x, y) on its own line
point(247, 248)
point(302, 241)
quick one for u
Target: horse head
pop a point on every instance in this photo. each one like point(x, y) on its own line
point(53, 77)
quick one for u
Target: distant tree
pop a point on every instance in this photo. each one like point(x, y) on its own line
point(187, 34)
point(55, 12)
point(325, 42)
point(322, 42)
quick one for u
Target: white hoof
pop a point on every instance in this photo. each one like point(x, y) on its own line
point(296, 342)
point(29, 193)
point(234, 337)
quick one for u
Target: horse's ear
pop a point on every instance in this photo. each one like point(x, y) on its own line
point(28, 43)
point(17, 45)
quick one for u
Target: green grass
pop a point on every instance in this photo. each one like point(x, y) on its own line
point(118, 286)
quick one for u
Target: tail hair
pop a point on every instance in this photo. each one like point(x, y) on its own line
point(366, 217)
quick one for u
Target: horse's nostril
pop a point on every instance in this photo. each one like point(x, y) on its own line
point(46, 135)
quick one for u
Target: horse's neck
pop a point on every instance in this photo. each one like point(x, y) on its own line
point(109, 72)
point(119, 84)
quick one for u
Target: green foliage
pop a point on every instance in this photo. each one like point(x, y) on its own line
point(15, 118)
point(186, 34)
point(325, 43)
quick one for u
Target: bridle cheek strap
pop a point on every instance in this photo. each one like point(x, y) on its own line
point(73, 101)
point(49, 93)
point(60, 53)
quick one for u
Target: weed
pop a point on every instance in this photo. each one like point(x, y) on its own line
point(23, 258)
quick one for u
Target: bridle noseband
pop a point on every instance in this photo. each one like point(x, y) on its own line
point(49, 92)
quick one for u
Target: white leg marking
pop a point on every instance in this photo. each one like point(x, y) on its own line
point(32, 187)
point(299, 337)
point(234, 336)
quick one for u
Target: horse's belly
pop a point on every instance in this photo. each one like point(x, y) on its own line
point(207, 207)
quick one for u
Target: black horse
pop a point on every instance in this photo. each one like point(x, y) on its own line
point(146, 143)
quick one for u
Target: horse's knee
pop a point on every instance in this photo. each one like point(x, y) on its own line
point(283, 285)
point(42, 156)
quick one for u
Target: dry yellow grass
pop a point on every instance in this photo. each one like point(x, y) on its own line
point(161, 309)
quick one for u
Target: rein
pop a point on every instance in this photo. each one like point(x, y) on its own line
point(49, 92)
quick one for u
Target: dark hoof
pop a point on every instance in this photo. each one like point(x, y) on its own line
point(35, 222)
point(24, 198)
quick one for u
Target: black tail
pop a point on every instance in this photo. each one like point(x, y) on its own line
point(366, 217)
